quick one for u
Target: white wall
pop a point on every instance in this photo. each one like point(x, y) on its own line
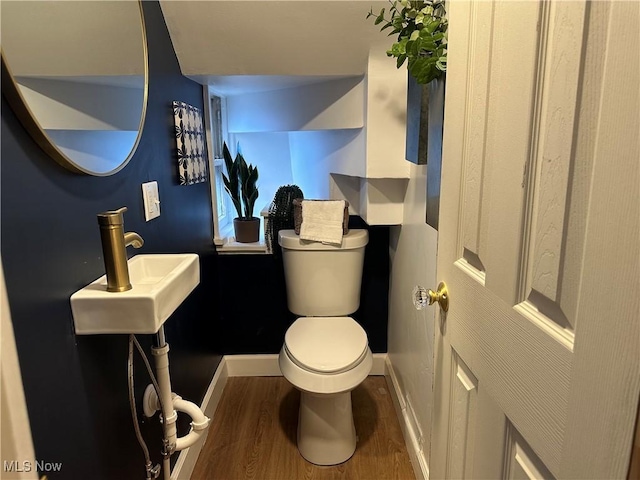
point(383, 179)
point(330, 104)
point(346, 136)
point(386, 118)
point(314, 155)
point(100, 151)
point(78, 103)
point(413, 247)
point(300, 135)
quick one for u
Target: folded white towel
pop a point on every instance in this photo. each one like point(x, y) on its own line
point(322, 221)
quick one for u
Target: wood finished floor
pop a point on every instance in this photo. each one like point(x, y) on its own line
point(253, 435)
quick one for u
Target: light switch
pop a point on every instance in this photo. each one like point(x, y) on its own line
point(151, 200)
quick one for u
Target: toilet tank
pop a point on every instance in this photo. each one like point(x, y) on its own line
point(323, 280)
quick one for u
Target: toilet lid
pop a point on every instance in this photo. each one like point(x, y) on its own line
point(326, 344)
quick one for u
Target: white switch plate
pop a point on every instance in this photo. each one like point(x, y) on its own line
point(151, 200)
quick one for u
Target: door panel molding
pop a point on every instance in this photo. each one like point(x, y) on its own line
point(462, 421)
point(510, 104)
point(521, 462)
point(473, 228)
point(551, 163)
point(520, 365)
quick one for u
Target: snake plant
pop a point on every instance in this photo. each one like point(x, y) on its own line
point(241, 183)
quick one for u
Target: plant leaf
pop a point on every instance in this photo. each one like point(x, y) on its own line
point(248, 178)
point(409, 48)
point(435, 24)
point(421, 29)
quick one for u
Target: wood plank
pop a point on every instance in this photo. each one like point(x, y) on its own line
point(253, 435)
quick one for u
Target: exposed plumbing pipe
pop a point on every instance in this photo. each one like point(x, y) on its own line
point(152, 471)
point(160, 397)
point(166, 452)
point(199, 422)
point(170, 403)
point(169, 415)
point(160, 337)
point(154, 382)
point(166, 466)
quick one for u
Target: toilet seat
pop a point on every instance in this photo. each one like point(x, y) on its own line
point(326, 345)
point(317, 357)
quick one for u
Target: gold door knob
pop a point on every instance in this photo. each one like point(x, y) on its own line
point(441, 296)
point(422, 296)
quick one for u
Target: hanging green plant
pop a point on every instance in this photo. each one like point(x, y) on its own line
point(281, 214)
point(421, 26)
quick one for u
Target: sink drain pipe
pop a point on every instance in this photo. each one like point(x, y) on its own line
point(153, 471)
point(170, 405)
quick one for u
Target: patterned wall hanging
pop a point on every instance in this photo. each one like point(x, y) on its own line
point(192, 154)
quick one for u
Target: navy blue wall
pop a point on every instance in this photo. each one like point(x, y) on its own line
point(254, 315)
point(76, 386)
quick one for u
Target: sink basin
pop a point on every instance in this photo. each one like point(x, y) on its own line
point(159, 285)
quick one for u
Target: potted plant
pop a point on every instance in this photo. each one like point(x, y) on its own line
point(241, 186)
point(421, 29)
point(421, 26)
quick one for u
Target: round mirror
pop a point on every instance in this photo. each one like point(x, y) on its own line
point(75, 73)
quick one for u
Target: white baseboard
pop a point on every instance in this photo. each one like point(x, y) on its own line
point(408, 424)
point(253, 365)
point(240, 366)
point(379, 364)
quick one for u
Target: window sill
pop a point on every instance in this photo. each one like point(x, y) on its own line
point(231, 246)
point(226, 244)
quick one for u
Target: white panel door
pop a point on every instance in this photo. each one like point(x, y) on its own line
point(537, 360)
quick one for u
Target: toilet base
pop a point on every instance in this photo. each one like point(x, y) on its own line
point(326, 433)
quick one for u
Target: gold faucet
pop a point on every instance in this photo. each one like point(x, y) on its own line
point(114, 248)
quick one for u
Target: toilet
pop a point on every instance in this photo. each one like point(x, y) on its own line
point(326, 353)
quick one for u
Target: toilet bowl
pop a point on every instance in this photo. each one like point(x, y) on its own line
point(324, 355)
point(325, 358)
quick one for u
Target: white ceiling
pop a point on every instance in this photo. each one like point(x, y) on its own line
point(306, 39)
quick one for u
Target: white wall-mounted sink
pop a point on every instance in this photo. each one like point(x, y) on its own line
point(160, 282)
